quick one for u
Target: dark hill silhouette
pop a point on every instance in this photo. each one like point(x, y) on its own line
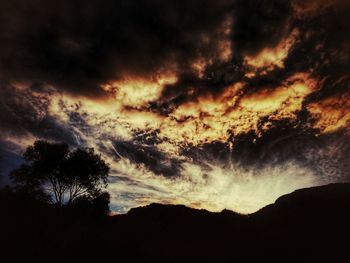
point(314, 199)
point(308, 225)
point(178, 213)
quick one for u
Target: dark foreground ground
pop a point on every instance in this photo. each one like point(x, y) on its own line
point(309, 225)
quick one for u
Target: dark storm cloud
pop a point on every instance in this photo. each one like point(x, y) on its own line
point(26, 113)
point(327, 154)
point(78, 45)
point(325, 47)
point(259, 24)
point(255, 25)
point(322, 49)
point(189, 86)
point(156, 161)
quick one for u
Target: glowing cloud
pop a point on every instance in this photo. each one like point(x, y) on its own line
point(188, 79)
point(215, 118)
point(286, 99)
point(331, 114)
point(213, 188)
point(270, 58)
point(136, 91)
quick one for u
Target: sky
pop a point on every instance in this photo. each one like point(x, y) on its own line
point(215, 104)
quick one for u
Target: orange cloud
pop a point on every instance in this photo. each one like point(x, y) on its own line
point(137, 91)
point(215, 118)
point(331, 114)
point(312, 7)
point(285, 99)
point(270, 58)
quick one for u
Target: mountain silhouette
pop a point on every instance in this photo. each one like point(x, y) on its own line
point(308, 225)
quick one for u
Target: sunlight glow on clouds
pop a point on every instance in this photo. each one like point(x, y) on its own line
point(332, 113)
point(210, 186)
point(207, 104)
point(211, 119)
point(213, 188)
point(269, 58)
point(136, 91)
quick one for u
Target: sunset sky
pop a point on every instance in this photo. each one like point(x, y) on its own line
point(209, 103)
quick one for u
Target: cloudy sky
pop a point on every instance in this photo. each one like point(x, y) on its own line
point(209, 103)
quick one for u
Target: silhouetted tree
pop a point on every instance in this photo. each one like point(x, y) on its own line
point(63, 174)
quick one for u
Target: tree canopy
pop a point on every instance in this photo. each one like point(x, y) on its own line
point(64, 175)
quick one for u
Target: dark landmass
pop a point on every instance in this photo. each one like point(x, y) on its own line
point(308, 225)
